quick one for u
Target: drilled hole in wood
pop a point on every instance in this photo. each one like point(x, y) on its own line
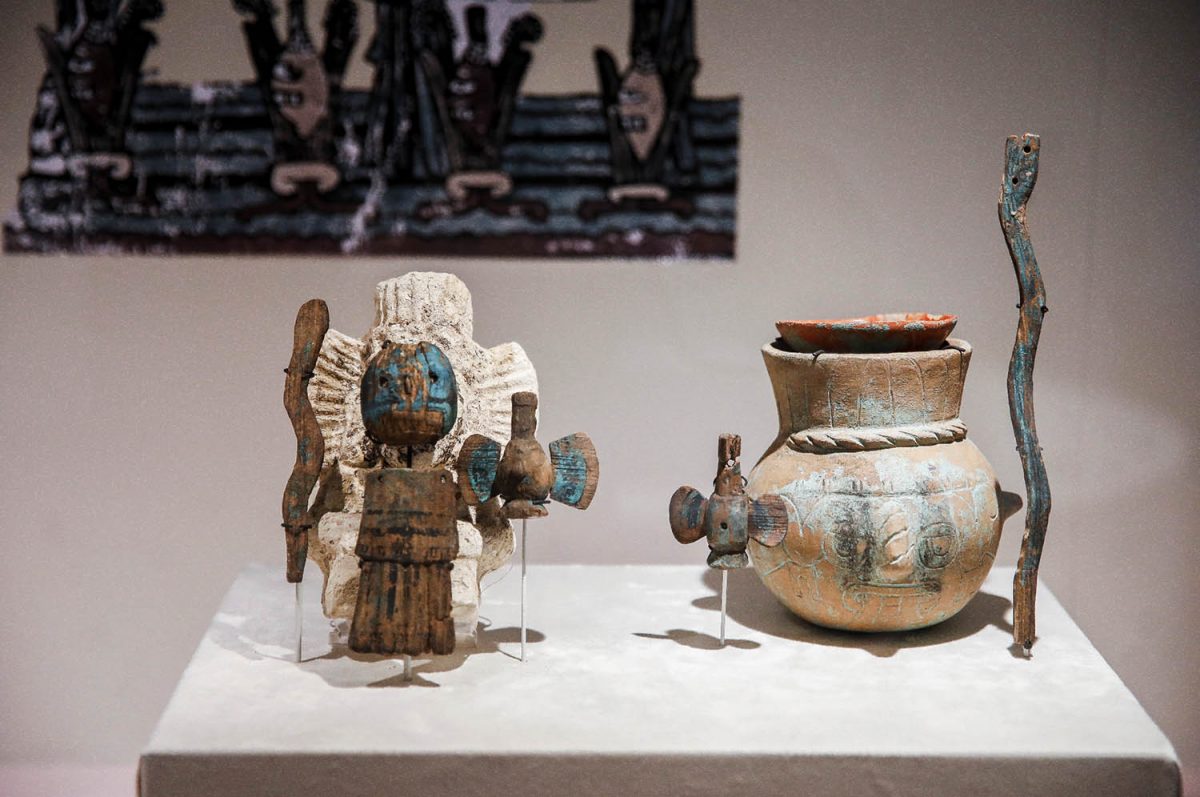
point(1028, 149)
point(724, 525)
point(1016, 180)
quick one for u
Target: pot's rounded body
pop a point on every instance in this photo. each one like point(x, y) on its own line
point(896, 514)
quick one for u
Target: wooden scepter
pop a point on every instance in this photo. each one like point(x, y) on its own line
point(312, 322)
point(1020, 174)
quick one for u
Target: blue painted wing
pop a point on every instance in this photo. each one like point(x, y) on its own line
point(576, 470)
point(477, 463)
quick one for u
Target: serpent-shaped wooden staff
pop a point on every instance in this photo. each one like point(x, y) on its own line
point(1020, 174)
point(312, 322)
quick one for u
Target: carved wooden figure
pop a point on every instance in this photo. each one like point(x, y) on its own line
point(94, 59)
point(408, 539)
point(728, 518)
point(475, 104)
point(526, 477)
point(1020, 174)
point(645, 109)
point(312, 322)
point(301, 89)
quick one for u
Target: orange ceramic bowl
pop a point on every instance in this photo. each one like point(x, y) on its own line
point(873, 334)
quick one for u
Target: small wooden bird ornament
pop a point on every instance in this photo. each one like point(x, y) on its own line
point(525, 477)
point(728, 518)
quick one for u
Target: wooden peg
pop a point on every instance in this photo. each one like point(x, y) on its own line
point(1021, 157)
point(312, 322)
point(728, 518)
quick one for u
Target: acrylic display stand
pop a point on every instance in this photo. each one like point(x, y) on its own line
point(628, 691)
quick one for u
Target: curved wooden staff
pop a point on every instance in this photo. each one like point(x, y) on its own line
point(312, 322)
point(1020, 174)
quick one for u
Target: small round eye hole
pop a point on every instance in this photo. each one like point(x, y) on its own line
point(1028, 149)
point(724, 525)
point(433, 377)
point(383, 381)
point(1016, 180)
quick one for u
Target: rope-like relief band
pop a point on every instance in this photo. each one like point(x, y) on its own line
point(828, 440)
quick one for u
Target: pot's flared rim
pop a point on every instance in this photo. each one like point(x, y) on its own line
point(779, 349)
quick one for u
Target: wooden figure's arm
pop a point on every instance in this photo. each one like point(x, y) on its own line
point(1020, 174)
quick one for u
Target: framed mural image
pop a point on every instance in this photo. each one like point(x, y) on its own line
point(442, 154)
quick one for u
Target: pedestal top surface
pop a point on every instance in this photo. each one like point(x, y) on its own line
point(624, 660)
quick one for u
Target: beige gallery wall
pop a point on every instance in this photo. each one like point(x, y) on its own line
point(144, 445)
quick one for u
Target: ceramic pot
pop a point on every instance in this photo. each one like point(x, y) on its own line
point(895, 515)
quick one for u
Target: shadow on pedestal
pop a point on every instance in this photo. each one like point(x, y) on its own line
point(257, 637)
point(751, 605)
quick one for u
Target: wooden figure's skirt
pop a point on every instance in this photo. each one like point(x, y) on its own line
point(403, 609)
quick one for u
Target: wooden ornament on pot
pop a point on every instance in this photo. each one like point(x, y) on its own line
point(728, 518)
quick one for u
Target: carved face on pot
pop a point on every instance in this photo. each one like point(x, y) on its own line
point(409, 395)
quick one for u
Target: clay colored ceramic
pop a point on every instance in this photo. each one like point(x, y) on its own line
point(896, 514)
point(873, 334)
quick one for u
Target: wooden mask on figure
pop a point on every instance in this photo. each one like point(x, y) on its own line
point(409, 395)
point(525, 477)
point(729, 517)
point(408, 539)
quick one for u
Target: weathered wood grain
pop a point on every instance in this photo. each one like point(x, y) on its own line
point(576, 470)
point(1021, 158)
point(312, 322)
point(406, 545)
point(477, 462)
point(525, 475)
point(728, 518)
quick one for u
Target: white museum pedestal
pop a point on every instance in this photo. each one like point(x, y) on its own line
point(627, 693)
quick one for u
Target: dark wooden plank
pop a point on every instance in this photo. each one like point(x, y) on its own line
point(1021, 157)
